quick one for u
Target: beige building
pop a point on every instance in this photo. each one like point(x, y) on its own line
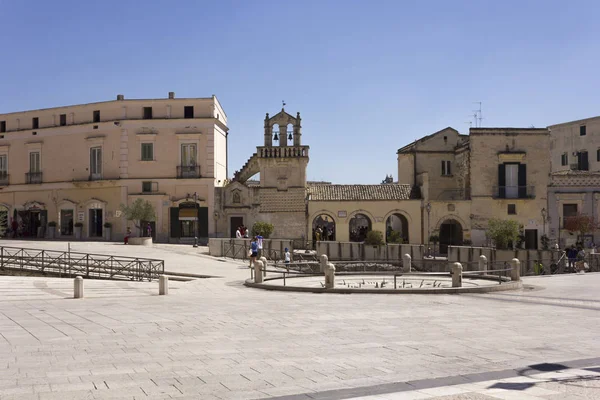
point(466, 180)
point(575, 145)
point(78, 164)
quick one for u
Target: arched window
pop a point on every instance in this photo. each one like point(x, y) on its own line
point(396, 229)
point(360, 224)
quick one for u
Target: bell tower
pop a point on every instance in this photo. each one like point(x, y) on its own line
point(283, 166)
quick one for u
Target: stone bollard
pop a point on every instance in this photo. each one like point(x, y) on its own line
point(330, 276)
point(163, 285)
point(457, 274)
point(258, 277)
point(406, 263)
point(515, 272)
point(264, 261)
point(482, 263)
point(324, 260)
point(78, 287)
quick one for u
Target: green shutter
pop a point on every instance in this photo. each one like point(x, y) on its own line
point(203, 222)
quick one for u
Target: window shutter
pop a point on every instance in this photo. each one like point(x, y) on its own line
point(443, 168)
point(203, 222)
point(448, 172)
point(174, 222)
point(522, 181)
point(598, 155)
point(501, 181)
point(584, 161)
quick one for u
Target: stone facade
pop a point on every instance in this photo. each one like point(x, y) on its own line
point(80, 163)
point(576, 145)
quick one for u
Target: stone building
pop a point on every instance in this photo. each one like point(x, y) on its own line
point(575, 145)
point(280, 196)
point(78, 164)
point(466, 180)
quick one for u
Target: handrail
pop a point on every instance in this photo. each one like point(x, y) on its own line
point(68, 263)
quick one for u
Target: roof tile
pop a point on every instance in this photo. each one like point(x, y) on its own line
point(389, 191)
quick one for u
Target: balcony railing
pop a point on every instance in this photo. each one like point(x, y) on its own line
point(514, 192)
point(3, 179)
point(33, 177)
point(188, 171)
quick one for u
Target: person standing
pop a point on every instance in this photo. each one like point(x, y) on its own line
point(253, 251)
point(127, 235)
point(149, 229)
point(14, 226)
point(238, 233)
point(287, 258)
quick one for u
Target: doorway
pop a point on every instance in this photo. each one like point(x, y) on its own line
point(531, 239)
point(66, 222)
point(234, 223)
point(95, 222)
point(451, 234)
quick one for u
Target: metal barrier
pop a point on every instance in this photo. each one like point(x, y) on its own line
point(68, 264)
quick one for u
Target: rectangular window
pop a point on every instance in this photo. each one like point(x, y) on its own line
point(147, 151)
point(582, 161)
point(2, 126)
point(97, 116)
point(34, 162)
point(446, 168)
point(582, 130)
point(569, 210)
point(512, 209)
point(147, 112)
point(564, 159)
point(63, 119)
point(188, 112)
point(3, 167)
point(146, 187)
point(35, 123)
point(96, 163)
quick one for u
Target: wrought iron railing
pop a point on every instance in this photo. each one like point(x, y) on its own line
point(69, 264)
point(188, 171)
point(514, 192)
point(33, 177)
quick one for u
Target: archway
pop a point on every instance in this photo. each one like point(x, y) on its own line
point(323, 228)
point(360, 224)
point(451, 234)
point(396, 223)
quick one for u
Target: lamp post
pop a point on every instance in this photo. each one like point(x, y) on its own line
point(196, 213)
point(544, 219)
point(428, 209)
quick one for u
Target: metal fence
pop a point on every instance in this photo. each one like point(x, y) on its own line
point(69, 264)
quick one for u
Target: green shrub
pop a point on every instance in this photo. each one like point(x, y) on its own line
point(503, 232)
point(394, 237)
point(263, 229)
point(374, 238)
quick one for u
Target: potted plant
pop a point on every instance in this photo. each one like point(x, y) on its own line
point(78, 229)
point(51, 229)
point(107, 231)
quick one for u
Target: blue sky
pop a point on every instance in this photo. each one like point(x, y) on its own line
point(368, 77)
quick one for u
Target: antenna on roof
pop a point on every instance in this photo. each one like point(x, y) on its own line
point(477, 116)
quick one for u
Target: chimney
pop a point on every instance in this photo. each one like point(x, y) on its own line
point(120, 97)
point(171, 95)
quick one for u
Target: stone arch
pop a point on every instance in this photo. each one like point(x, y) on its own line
point(95, 216)
point(450, 216)
point(358, 225)
point(323, 226)
point(451, 234)
point(398, 221)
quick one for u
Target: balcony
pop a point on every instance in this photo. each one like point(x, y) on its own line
point(3, 179)
point(514, 192)
point(33, 177)
point(188, 171)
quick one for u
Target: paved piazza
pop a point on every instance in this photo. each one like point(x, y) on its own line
point(216, 339)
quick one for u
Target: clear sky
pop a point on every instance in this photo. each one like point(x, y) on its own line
point(368, 77)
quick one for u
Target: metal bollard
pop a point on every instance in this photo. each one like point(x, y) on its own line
point(482, 263)
point(406, 263)
point(515, 272)
point(324, 260)
point(258, 276)
point(78, 287)
point(330, 276)
point(457, 274)
point(163, 285)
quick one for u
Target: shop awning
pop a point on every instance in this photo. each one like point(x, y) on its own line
point(187, 214)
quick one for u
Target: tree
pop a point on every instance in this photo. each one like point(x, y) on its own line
point(263, 229)
point(581, 224)
point(374, 238)
point(394, 237)
point(503, 232)
point(140, 210)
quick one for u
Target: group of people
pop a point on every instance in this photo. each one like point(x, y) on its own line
point(576, 257)
point(359, 234)
point(241, 232)
point(323, 233)
point(147, 231)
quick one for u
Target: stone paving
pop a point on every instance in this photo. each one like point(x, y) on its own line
point(216, 339)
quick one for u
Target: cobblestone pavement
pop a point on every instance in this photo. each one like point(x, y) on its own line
point(216, 339)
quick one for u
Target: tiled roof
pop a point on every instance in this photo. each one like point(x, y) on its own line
point(389, 191)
